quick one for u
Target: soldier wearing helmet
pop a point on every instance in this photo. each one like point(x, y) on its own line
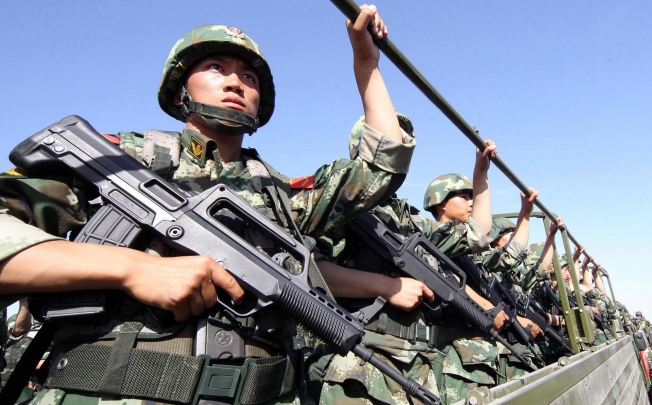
point(357, 275)
point(641, 322)
point(217, 81)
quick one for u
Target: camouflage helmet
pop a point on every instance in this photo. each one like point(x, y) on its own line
point(563, 261)
point(639, 313)
point(201, 42)
point(500, 227)
point(439, 189)
point(356, 132)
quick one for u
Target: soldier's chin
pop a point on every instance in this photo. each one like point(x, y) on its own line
point(229, 123)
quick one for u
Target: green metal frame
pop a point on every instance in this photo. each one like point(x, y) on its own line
point(571, 321)
point(582, 312)
point(616, 325)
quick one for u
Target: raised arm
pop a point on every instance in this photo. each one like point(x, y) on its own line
point(522, 231)
point(481, 196)
point(546, 253)
point(598, 279)
point(378, 108)
point(586, 277)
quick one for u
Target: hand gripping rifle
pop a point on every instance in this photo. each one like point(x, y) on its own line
point(137, 201)
point(403, 254)
point(492, 286)
point(497, 295)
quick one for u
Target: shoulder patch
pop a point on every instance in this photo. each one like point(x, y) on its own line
point(114, 139)
point(14, 172)
point(303, 182)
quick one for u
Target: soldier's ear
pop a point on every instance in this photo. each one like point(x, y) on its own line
point(177, 99)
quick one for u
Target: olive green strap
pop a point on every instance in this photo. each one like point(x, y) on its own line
point(116, 368)
point(156, 375)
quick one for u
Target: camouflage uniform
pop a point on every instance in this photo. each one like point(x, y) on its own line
point(624, 317)
point(397, 337)
point(471, 360)
point(56, 203)
point(503, 264)
point(602, 302)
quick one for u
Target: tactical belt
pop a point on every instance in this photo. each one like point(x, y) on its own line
point(123, 370)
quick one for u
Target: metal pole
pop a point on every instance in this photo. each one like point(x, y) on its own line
point(576, 243)
point(351, 10)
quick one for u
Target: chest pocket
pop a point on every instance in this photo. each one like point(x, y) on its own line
point(161, 151)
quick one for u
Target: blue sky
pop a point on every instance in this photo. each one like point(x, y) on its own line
point(562, 87)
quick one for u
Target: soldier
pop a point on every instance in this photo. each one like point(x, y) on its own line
point(641, 322)
point(470, 360)
point(598, 296)
point(507, 252)
point(400, 331)
point(217, 81)
point(624, 317)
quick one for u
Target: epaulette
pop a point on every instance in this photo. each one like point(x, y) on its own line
point(305, 182)
point(114, 139)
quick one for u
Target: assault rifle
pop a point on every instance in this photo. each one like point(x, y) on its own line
point(403, 253)
point(137, 203)
point(548, 296)
point(491, 286)
point(497, 295)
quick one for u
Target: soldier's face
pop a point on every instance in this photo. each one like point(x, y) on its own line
point(565, 273)
point(458, 207)
point(225, 80)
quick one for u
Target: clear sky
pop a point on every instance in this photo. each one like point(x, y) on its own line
point(564, 88)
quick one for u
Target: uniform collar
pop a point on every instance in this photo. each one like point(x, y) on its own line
point(198, 147)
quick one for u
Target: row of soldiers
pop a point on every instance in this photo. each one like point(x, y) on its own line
point(218, 83)
point(460, 358)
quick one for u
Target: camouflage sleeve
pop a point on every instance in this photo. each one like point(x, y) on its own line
point(18, 236)
point(34, 210)
point(384, 153)
point(455, 238)
point(504, 259)
point(347, 188)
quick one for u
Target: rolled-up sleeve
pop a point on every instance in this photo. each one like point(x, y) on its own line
point(347, 188)
point(384, 152)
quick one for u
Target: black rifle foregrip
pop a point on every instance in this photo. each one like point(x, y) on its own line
point(473, 312)
point(315, 318)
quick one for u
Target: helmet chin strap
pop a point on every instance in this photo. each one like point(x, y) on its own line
point(214, 116)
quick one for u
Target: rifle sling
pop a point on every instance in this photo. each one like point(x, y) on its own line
point(314, 275)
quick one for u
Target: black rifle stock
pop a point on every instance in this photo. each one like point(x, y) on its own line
point(136, 200)
point(403, 254)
